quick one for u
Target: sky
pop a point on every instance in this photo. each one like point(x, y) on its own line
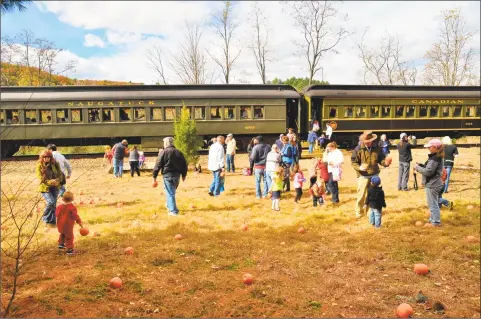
point(109, 39)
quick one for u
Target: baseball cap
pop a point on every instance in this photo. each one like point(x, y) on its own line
point(376, 181)
point(434, 142)
point(230, 134)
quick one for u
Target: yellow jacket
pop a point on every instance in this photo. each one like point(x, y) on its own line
point(57, 171)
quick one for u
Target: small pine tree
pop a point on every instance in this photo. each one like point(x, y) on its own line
point(185, 135)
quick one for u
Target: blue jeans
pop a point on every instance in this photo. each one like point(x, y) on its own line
point(51, 200)
point(269, 179)
point(432, 195)
point(446, 183)
point(171, 182)
point(443, 202)
point(375, 217)
point(215, 185)
point(333, 188)
point(62, 191)
point(118, 167)
point(311, 148)
point(260, 172)
point(229, 162)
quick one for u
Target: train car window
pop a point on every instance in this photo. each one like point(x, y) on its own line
point(156, 114)
point(360, 111)
point(139, 114)
point(478, 111)
point(385, 111)
point(457, 111)
point(348, 111)
point(13, 117)
point(94, 115)
point(246, 113)
point(125, 114)
point(410, 110)
point(229, 112)
point(399, 111)
point(333, 112)
point(374, 111)
point(30, 116)
point(446, 111)
point(45, 116)
point(170, 113)
point(77, 115)
point(423, 111)
point(258, 112)
point(470, 110)
point(108, 115)
point(433, 111)
point(215, 112)
point(62, 116)
point(2, 116)
point(199, 113)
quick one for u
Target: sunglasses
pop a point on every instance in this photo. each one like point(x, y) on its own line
point(47, 157)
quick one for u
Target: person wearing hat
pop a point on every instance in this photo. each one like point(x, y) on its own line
point(120, 150)
point(365, 159)
point(375, 200)
point(431, 172)
point(230, 152)
point(405, 158)
point(259, 158)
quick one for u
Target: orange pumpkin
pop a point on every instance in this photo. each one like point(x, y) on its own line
point(301, 230)
point(84, 231)
point(419, 223)
point(421, 269)
point(404, 310)
point(247, 279)
point(116, 282)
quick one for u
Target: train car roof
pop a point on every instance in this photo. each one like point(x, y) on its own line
point(208, 91)
point(392, 91)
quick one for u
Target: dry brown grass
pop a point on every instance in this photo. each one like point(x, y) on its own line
point(339, 268)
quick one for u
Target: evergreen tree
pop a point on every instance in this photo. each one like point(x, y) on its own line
point(185, 135)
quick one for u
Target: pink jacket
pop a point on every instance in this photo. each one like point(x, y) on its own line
point(298, 180)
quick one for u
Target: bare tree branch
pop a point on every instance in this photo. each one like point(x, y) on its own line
point(260, 41)
point(313, 19)
point(451, 62)
point(154, 58)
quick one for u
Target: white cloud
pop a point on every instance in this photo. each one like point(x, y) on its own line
point(162, 23)
point(91, 40)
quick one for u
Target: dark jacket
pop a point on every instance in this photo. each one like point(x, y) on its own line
point(449, 152)
point(375, 198)
point(120, 150)
point(134, 155)
point(279, 144)
point(431, 171)
point(259, 154)
point(405, 154)
point(170, 161)
point(361, 155)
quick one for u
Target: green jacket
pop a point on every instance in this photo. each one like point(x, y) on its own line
point(57, 171)
point(374, 157)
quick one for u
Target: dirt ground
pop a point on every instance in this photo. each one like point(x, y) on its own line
point(340, 267)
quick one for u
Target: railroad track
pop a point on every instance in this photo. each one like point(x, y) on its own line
point(201, 152)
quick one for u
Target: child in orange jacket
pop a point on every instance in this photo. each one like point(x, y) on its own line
point(66, 214)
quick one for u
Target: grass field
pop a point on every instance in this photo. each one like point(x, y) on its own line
point(341, 267)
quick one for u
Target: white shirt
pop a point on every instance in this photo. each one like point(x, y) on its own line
point(64, 164)
point(231, 146)
point(216, 157)
point(328, 132)
point(336, 158)
point(272, 162)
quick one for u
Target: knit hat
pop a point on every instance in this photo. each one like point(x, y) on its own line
point(403, 135)
point(376, 181)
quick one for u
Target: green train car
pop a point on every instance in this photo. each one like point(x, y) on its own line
point(101, 115)
point(419, 110)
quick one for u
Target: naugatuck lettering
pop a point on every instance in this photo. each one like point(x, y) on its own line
point(438, 101)
point(109, 103)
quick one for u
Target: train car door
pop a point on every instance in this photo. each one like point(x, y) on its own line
point(292, 114)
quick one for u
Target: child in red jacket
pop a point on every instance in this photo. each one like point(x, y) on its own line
point(66, 214)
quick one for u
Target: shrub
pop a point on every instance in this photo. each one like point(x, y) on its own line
point(185, 135)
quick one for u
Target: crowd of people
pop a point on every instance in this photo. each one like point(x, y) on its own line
point(274, 167)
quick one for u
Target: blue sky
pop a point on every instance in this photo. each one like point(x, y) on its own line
point(109, 39)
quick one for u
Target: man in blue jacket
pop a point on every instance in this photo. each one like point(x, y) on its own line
point(311, 139)
point(259, 157)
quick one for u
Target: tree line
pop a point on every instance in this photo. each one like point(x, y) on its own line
point(450, 60)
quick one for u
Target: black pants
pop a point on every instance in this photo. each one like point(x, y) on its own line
point(251, 163)
point(286, 185)
point(333, 188)
point(134, 166)
point(298, 194)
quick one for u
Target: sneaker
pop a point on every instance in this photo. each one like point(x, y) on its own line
point(277, 209)
point(172, 214)
point(211, 194)
point(61, 246)
point(451, 205)
point(71, 252)
point(358, 216)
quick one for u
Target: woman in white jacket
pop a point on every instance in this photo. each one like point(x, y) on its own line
point(273, 161)
point(335, 159)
